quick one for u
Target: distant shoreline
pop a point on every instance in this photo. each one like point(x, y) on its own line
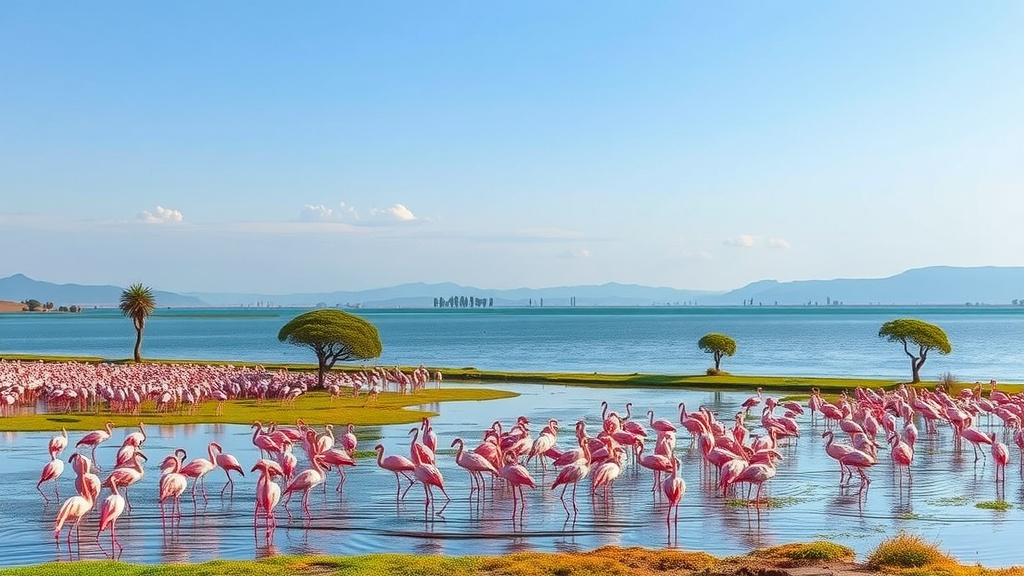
point(6, 306)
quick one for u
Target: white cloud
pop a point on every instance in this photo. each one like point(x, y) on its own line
point(160, 216)
point(742, 241)
point(576, 253)
point(323, 213)
point(397, 212)
point(778, 243)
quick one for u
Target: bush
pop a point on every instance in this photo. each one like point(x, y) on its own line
point(818, 551)
point(905, 551)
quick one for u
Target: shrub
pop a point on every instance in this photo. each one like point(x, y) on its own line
point(819, 551)
point(948, 381)
point(905, 551)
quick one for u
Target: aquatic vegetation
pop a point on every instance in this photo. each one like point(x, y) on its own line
point(906, 551)
point(951, 501)
point(999, 505)
point(767, 502)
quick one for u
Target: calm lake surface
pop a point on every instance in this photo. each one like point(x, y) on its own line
point(804, 341)
point(939, 505)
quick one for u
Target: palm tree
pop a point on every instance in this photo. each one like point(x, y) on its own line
point(137, 303)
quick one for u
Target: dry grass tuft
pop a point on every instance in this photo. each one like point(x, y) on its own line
point(907, 551)
point(819, 551)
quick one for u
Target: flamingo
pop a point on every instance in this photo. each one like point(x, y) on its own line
point(268, 493)
point(674, 488)
point(474, 463)
point(95, 438)
point(305, 481)
point(52, 471)
point(110, 510)
point(172, 486)
point(339, 458)
point(348, 440)
point(126, 476)
point(226, 462)
point(661, 424)
point(397, 465)
point(656, 462)
point(429, 476)
point(75, 508)
point(517, 476)
point(1001, 457)
point(58, 443)
point(136, 438)
point(752, 401)
point(572, 474)
point(198, 468)
point(902, 455)
point(418, 450)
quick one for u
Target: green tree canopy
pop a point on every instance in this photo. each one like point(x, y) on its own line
point(137, 302)
point(719, 345)
point(332, 335)
point(912, 332)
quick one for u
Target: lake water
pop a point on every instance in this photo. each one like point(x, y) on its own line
point(939, 505)
point(805, 341)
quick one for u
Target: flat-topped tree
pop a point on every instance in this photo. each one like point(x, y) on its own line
point(912, 332)
point(718, 345)
point(333, 335)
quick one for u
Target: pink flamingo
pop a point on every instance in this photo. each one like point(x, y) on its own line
point(656, 462)
point(126, 476)
point(572, 474)
point(661, 424)
point(340, 458)
point(227, 463)
point(674, 488)
point(95, 438)
point(837, 451)
point(74, 508)
point(58, 443)
point(172, 485)
point(429, 476)
point(397, 465)
point(268, 493)
point(305, 481)
point(473, 463)
point(752, 401)
point(198, 468)
point(419, 450)
point(902, 457)
point(136, 438)
point(1001, 457)
point(52, 471)
point(517, 476)
point(110, 510)
point(348, 440)
point(758, 473)
point(263, 441)
point(975, 437)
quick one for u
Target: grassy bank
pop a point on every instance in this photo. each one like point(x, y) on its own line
point(918, 559)
point(798, 384)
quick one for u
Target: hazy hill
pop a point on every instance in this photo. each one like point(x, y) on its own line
point(20, 287)
point(941, 285)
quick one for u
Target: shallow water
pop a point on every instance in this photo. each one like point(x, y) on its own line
point(940, 504)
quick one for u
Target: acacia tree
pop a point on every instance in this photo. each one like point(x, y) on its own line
point(913, 332)
point(332, 335)
point(719, 345)
point(137, 303)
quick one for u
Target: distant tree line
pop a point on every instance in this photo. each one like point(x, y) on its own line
point(463, 302)
point(33, 305)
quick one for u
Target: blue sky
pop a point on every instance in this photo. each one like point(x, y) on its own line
point(291, 147)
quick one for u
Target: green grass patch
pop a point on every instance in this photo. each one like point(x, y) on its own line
point(820, 550)
point(906, 551)
point(994, 505)
point(315, 408)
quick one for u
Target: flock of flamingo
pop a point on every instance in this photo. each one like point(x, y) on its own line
point(733, 455)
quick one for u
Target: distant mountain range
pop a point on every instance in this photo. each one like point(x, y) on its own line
point(939, 285)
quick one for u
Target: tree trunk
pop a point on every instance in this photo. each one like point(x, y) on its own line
point(915, 368)
point(718, 360)
point(321, 371)
point(138, 344)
